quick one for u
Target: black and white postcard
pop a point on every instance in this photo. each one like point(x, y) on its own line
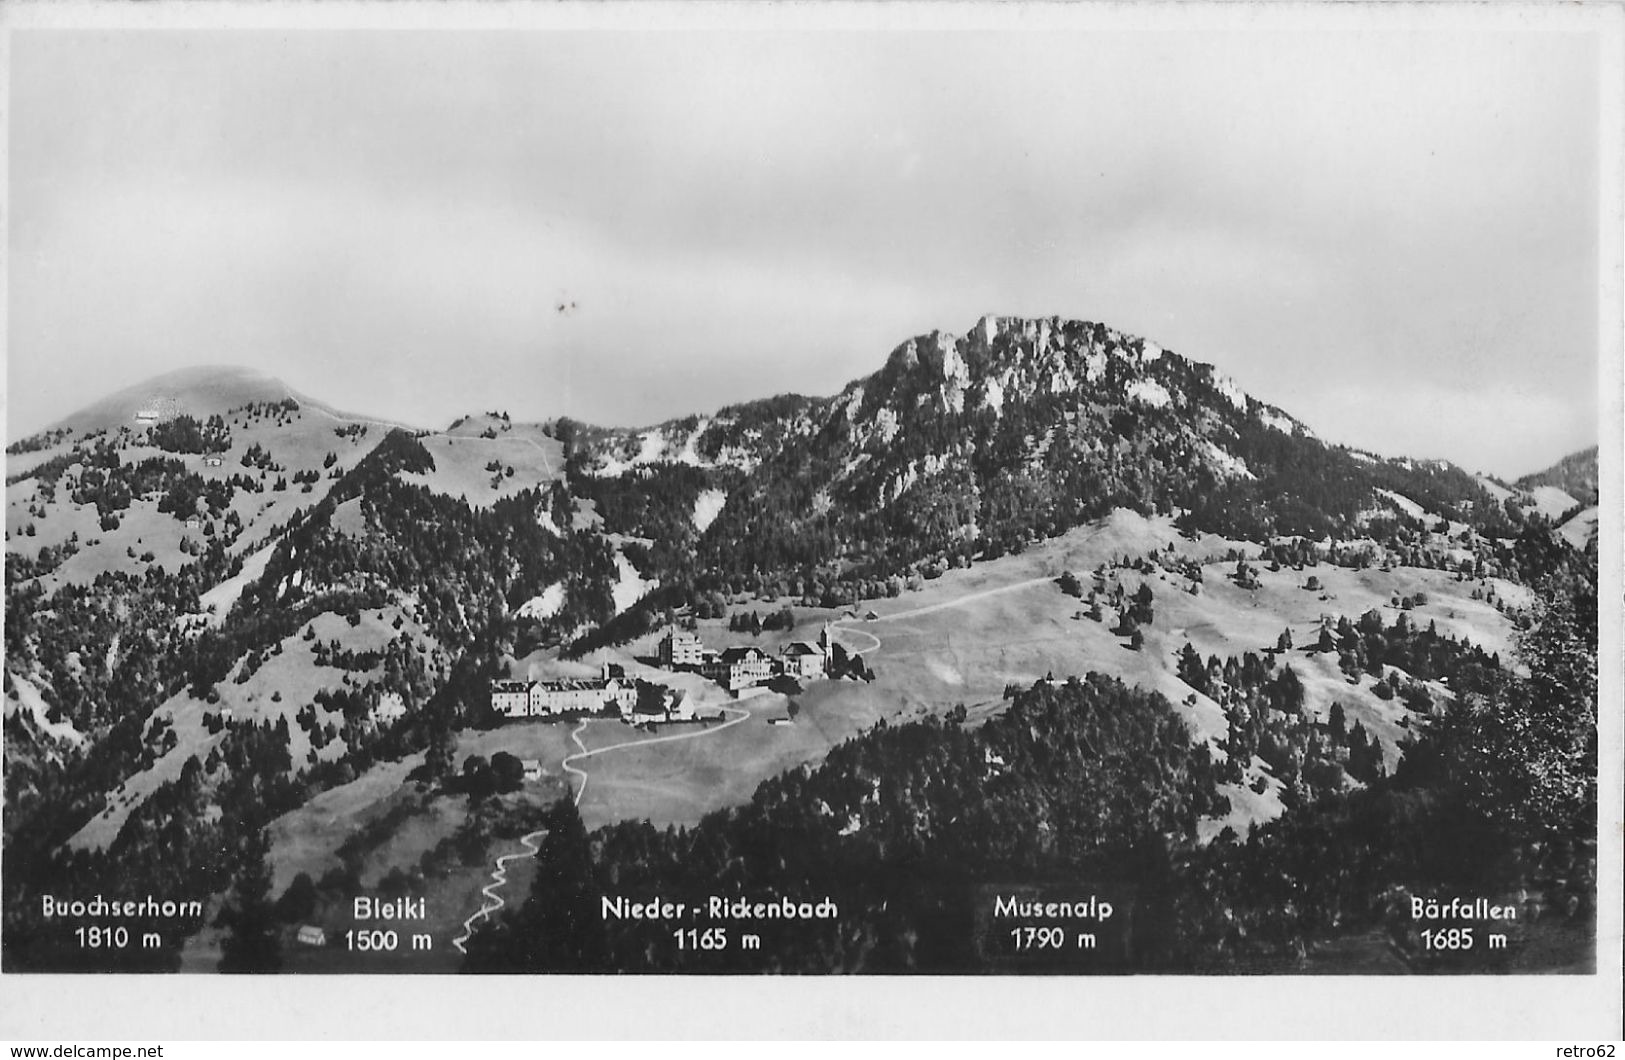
point(1090, 508)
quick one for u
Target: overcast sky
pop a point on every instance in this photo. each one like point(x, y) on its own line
point(1392, 236)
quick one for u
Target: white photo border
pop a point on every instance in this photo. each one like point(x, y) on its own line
point(37, 1007)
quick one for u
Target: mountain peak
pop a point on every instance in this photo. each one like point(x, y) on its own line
point(1003, 355)
point(196, 391)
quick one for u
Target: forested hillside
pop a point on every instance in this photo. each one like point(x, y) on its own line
point(969, 447)
point(1575, 474)
point(909, 828)
point(224, 599)
point(1084, 778)
point(457, 571)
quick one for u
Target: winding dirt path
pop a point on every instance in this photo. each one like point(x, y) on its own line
point(967, 598)
point(499, 875)
point(839, 628)
point(841, 624)
point(534, 444)
point(980, 594)
point(739, 716)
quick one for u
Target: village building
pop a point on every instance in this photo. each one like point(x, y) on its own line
point(511, 699)
point(657, 703)
point(533, 699)
point(803, 661)
point(532, 768)
point(311, 935)
point(808, 662)
point(740, 667)
point(745, 666)
point(580, 696)
point(681, 708)
point(681, 650)
point(645, 712)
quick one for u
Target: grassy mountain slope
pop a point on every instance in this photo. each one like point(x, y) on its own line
point(947, 493)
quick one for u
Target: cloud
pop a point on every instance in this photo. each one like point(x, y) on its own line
point(389, 220)
point(1493, 428)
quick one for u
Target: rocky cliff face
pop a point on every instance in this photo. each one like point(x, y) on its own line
point(941, 400)
point(1015, 429)
point(1081, 379)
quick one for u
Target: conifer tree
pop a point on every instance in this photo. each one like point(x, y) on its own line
point(1190, 668)
point(1528, 750)
point(560, 927)
point(253, 944)
point(1337, 722)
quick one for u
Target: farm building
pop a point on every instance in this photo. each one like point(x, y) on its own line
point(657, 703)
point(681, 708)
point(645, 711)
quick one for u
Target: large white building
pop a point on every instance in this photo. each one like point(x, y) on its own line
point(803, 661)
point(511, 699)
point(680, 649)
point(581, 696)
point(541, 699)
point(739, 668)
